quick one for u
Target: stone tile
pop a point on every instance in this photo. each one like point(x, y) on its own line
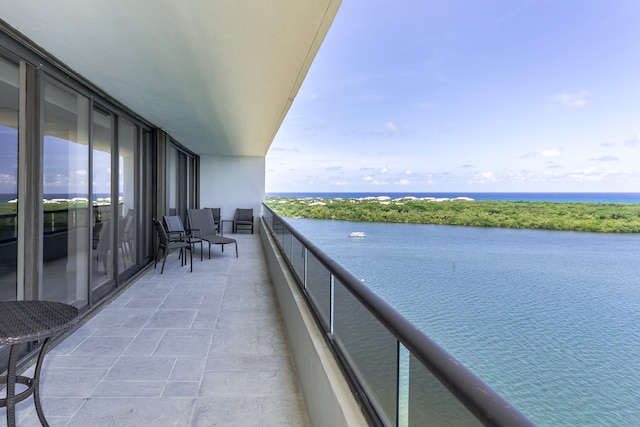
point(227, 412)
point(181, 389)
point(56, 361)
point(276, 363)
point(105, 346)
point(182, 346)
point(126, 412)
point(145, 343)
point(236, 341)
point(235, 363)
point(178, 349)
point(131, 389)
point(182, 301)
point(283, 412)
point(172, 319)
point(70, 382)
point(141, 369)
point(238, 384)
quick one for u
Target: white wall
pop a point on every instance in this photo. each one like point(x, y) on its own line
point(230, 182)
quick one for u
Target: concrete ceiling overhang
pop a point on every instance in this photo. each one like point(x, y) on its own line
point(218, 75)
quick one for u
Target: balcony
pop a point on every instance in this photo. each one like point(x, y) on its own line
point(239, 340)
point(180, 349)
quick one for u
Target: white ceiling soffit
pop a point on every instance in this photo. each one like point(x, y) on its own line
point(218, 75)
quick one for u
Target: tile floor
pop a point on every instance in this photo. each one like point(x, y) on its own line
point(206, 348)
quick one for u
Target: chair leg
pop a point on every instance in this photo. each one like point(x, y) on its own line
point(157, 257)
point(164, 259)
point(236, 249)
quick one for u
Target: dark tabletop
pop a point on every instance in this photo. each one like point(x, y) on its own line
point(24, 321)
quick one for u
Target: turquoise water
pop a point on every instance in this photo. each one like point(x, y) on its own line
point(551, 320)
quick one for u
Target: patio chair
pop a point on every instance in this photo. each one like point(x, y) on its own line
point(177, 232)
point(216, 218)
point(165, 246)
point(243, 218)
point(203, 227)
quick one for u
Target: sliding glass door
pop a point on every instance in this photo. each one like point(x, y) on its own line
point(65, 208)
point(9, 107)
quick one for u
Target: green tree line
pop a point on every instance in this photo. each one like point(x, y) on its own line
point(590, 217)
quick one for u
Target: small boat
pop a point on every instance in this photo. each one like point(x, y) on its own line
point(357, 234)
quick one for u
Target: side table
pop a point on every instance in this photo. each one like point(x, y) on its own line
point(23, 322)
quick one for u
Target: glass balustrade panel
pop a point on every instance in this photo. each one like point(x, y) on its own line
point(431, 404)
point(369, 348)
point(297, 258)
point(319, 288)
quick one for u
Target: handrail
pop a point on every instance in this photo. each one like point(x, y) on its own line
point(481, 400)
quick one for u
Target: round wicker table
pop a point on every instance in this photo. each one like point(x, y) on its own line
point(24, 322)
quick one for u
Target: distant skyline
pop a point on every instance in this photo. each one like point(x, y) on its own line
point(467, 96)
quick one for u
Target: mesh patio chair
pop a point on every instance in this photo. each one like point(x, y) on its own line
point(203, 227)
point(243, 218)
point(165, 246)
point(177, 232)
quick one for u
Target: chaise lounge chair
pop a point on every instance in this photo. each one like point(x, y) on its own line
point(203, 227)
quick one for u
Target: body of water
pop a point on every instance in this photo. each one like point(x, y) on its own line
point(551, 320)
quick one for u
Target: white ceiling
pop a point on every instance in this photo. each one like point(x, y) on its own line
point(218, 75)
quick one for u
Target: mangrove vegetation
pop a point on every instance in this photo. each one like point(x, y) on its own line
point(590, 217)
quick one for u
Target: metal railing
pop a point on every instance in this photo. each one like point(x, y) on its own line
point(400, 376)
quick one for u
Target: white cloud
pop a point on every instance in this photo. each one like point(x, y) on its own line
point(483, 178)
point(394, 128)
point(634, 141)
point(551, 152)
point(595, 174)
point(577, 99)
point(605, 159)
point(402, 182)
point(547, 152)
point(6, 178)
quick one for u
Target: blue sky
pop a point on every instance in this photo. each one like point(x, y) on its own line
point(474, 95)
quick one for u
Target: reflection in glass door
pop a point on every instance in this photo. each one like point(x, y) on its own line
point(127, 148)
point(105, 210)
point(9, 104)
point(181, 178)
point(66, 200)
